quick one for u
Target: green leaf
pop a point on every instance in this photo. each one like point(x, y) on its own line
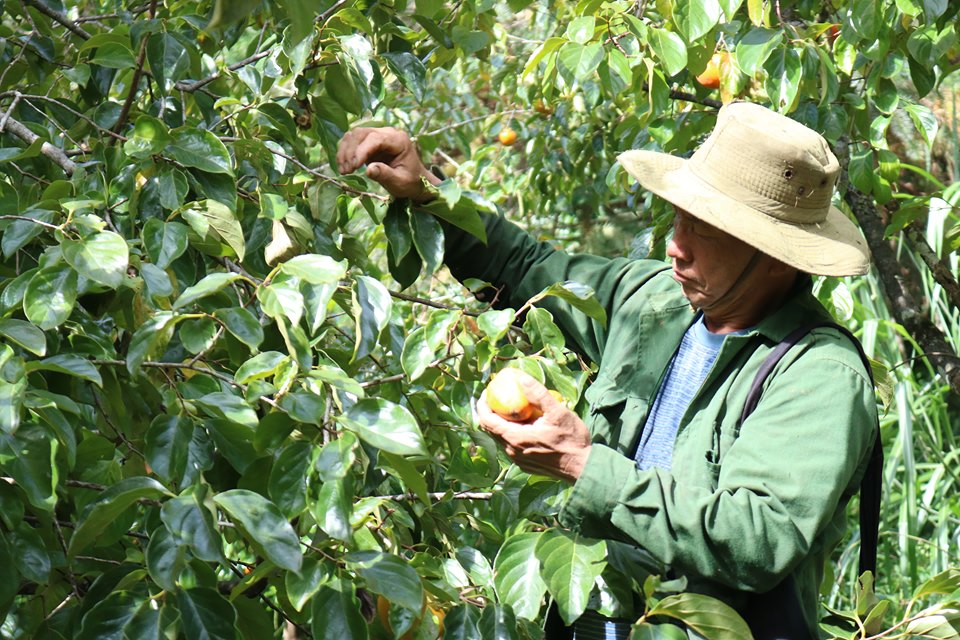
point(461, 623)
point(943, 583)
point(167, 445)
point(191, 523)
point(287, 485)
point(208, 285)
point(18, 233)
point(861, 168)
point(695, 19)
point(580, 30)
point(224, 404)
point(577, 295)
point(206, 614)
point(408, 473)
point(173, 188)
point(164, 241)
point(50, 296)
point(11, 404)
point(496, 322)
point(282, 299)
point(784, 73)
point(69, 364)
point(332, 509)
point(497, 622)
point(707, 616)
point(151, 338)
point(260, 366)
point(149, 622)
point(211, 216)
point(389, 576)
point(578, 62)
point(102, 257)
point(410, 71)
point(156, 280)
point(417, 354)
point(335, 613)
point(107, 618)
point(925, 121)
point(200, 149)
point(108, 506)
point(428, 238)
point(197, 334)
point(371, 306)
point(24, 334)
point(571, 564)
point(169, 60)
point(755, 47)
point(165, 559)
point(669, 48)
point(264, 525)
point(385, 425)
point(464, 215)
point(114, 55)
point(30, 459)
point(315, 269)
point(549, 46)
point(150, 136)
point(517, 575)
point(301, 587)
point(242, 324)
point(229, 12)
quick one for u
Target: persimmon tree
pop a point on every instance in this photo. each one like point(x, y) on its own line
point(237, 388)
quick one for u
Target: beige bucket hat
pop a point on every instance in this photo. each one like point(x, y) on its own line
point(767, 180)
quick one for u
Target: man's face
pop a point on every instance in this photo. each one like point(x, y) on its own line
point(707, 262)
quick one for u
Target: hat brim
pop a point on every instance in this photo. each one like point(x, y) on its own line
point(834, 247)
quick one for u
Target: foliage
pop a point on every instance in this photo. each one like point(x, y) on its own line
point(215, 392)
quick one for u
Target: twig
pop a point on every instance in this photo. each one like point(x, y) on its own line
point(454, 125)
point(54, 153)
point(326, 178)
point(66, 107)
point(135, 82)
point(13, 105)
point(190, 87)
point(33, 220)
point(59, 17)
point(689, 97)
point(430, 303)
point(440, 495)
point(329, 12)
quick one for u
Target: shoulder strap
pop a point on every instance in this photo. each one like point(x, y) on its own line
point(870, 485)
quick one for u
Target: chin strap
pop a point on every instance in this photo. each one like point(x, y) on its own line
point(747, 270)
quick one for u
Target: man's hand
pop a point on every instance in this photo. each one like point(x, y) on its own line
point(392, 160)
point(555, 444)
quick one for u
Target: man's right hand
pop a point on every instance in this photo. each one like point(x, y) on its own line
point(392, 159)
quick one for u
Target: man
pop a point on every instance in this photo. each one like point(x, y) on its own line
point(662, 460)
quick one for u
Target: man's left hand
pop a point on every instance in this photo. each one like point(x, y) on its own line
point(555, 444)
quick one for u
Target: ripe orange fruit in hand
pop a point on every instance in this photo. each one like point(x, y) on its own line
point(505, 397)
point(710, 77)
point(507, 136)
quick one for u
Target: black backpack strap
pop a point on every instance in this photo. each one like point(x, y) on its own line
point(870, 485)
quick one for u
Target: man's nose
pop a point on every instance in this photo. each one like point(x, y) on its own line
point(677, 248)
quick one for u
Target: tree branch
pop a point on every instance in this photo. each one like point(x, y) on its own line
point(190, 87)
point(135, 82)
point(58, 17)
point(904, 306)
point(54, 153)
point(938, 268)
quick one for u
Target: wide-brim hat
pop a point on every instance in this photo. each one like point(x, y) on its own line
point(766, 180)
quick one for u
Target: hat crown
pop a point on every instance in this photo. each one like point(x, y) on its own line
point(769, 162)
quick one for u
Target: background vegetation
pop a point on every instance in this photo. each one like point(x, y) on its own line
point(236, 388)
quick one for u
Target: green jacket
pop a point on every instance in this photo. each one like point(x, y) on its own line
point(741, 509)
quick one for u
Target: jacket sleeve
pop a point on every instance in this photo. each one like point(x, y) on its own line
point(521, 267)
point(780, 485)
